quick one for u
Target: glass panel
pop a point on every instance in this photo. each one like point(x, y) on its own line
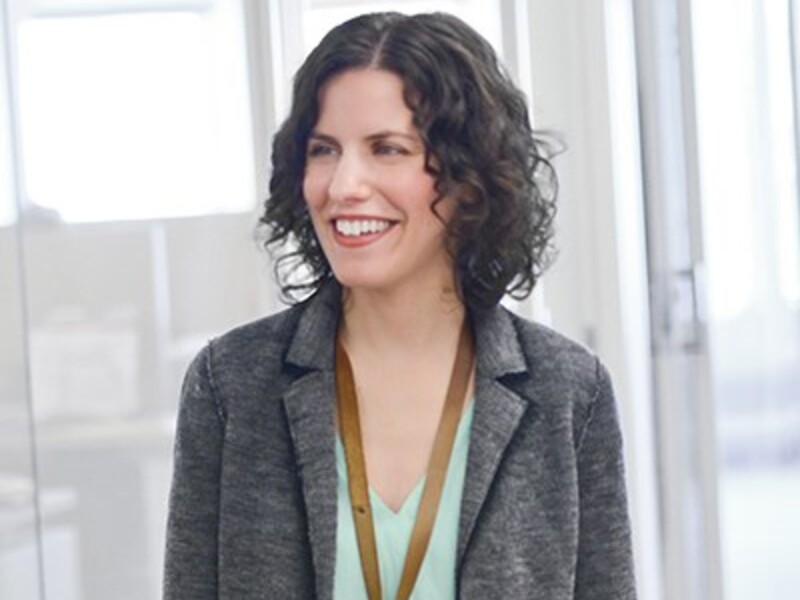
point(19, 543)
point(118, 308)
point(749, 189)
point(19, 570)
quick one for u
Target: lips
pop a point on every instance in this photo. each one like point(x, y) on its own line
point(359, 231)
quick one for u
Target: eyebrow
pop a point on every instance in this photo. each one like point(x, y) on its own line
point(380, 135)
point(321, 137)
point(388, 133)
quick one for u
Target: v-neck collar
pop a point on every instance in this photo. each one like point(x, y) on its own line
point(408, 509)
point(309, 402)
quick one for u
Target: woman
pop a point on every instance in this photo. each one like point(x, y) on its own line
point(398, 432)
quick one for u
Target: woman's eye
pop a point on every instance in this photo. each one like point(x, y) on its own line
point(390, 150)
point(315, 150)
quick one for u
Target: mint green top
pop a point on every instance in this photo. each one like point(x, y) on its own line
point(437, 574)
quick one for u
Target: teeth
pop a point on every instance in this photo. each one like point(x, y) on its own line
point(355, 228)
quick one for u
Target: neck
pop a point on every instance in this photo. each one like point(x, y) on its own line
point(416, 321)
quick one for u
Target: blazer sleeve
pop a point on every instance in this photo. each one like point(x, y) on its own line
point(605, 562)
point(193, 522)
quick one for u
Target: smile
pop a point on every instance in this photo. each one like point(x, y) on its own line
point(359, 227)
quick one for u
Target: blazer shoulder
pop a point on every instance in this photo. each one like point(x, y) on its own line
point(557, 361)
point(256, 342)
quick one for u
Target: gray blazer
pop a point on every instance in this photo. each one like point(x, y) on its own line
point(253, 502)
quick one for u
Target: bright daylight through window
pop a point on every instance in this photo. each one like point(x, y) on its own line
point(118, 128)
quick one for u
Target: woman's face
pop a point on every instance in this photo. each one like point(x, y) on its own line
point(367, 190)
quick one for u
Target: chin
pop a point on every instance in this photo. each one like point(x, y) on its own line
point(369, 281)
point(361, 283)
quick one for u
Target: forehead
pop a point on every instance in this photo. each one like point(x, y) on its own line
point(363, 99)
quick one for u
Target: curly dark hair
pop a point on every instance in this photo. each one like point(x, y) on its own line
point(479, 145)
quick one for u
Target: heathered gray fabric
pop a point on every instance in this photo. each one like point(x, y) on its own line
point(253, 502)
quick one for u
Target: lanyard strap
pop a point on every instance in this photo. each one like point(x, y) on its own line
point(435, 477)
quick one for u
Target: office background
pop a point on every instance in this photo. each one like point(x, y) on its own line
point(134, 153)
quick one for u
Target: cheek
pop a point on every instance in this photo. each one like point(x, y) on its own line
point(314, 196)
point(313, 189)
point(439, 211)
point(418, 190)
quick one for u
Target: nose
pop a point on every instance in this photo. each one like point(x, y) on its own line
point(350, 180)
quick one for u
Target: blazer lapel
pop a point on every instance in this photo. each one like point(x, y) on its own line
point(309, 409)
point(309, 402)
point(497, 414)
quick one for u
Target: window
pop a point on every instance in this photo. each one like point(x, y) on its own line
point(136, 115)
point(746, 134)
